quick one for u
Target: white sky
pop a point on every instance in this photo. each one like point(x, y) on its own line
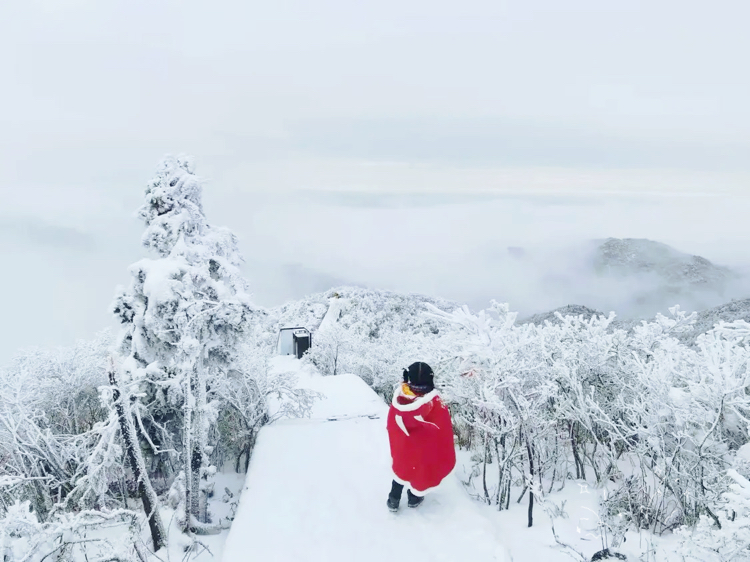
point(388, 97)
point(92, 89)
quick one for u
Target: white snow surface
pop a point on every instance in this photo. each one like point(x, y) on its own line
point(316, 491)
point(335, 306)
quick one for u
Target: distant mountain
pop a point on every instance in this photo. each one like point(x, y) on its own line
point(638, 278)
point(637, 256)
point(706, 319)
point(649, 277)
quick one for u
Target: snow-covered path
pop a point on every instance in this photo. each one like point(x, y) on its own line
point(316, 491)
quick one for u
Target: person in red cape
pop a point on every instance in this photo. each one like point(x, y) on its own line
point(420, 432)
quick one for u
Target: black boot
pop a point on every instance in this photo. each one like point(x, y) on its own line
point(394, 498)
point(414, 500)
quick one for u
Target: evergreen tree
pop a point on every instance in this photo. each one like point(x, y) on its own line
point(183, 315)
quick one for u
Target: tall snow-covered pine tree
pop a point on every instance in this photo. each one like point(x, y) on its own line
point(184, 315)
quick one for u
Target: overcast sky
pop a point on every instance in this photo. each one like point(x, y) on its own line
point(388, 97)
point(92, 88)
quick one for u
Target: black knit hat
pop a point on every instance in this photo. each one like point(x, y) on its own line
point(419, 377)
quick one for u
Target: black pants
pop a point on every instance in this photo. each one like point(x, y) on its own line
point(396, 491)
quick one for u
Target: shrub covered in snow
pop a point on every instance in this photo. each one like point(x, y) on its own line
point(653, 420)
point(89, 535)
point(50, 421)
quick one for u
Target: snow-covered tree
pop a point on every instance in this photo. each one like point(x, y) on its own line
point(252, 396)
point(121, 401)
point(184, 315)
point(637, 411)
point(726, 537)
point(380, 361)
point(498, 393)
point(86, 535)
point(50, 418)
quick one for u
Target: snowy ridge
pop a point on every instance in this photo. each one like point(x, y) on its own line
point(707, 319)
point(567, 310)
point(634, 277)
point(631, 256)
point(366, 311)
point(317, 491)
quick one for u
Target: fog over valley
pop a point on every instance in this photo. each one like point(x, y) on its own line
point(537, 247)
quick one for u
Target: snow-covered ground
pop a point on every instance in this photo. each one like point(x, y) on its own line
point(316, 491)
point(222, 507)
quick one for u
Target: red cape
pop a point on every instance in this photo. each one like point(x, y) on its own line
point(421, 436)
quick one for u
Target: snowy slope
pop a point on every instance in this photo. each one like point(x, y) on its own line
point(633, 256)
point(316, 491)
point(335, 307)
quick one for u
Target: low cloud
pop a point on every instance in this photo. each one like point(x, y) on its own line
point(36, 232)
point(469, 235)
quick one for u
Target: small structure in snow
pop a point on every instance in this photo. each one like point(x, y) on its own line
point(294, 341)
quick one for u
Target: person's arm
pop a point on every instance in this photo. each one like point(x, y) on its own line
point(423, 417)
point(417, 421)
